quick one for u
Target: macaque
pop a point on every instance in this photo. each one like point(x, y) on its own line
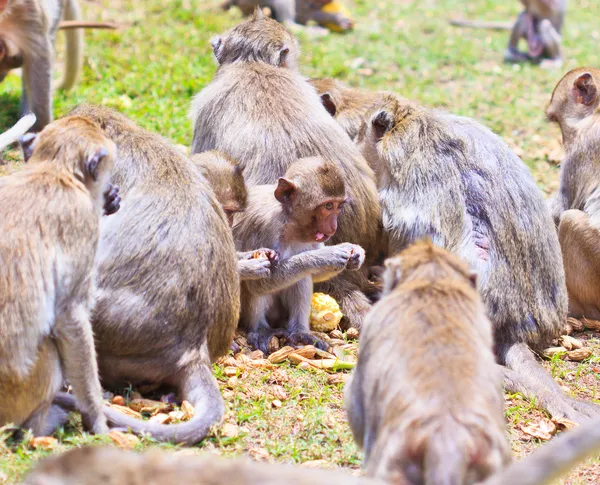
point(540, 24)
point(27, 32)
point(104, 466)
point(262, 112)
point(227, 181)
point(168, 289)
point(576, 208)
point(462, 186)
point(281, 10)
point(425, 400)
point(295, 217)
point(49, 229)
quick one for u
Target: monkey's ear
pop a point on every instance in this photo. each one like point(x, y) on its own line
point(93, 162)
point(27, 142)
point(283, 54)
point(585, 89)
point(285, 191)
point(328, 103)
point(382, 123)
point(217, 45)
point(238, 171)
point(258, 13)
point(392, 274)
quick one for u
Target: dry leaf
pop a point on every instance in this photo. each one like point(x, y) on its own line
point(43, 443)
point(316, 464)
point(118, 400)
point(280, 355)
point(564, 423)
point(576, 325)
point(578, 355)
point(278, 392)
point(260, 364)
point(124, 440)
point(276, 403)
point(230, 430)
point(305, 366)
point(230, 371)
point(227, 394)
point(177, 415)
point(337, 378)
point(232, 382)
point(188, 410)
point(241, 357)
point(542, 430)
point(160, 419)
point(127, 411)
point(230, 362)
point(259, 454)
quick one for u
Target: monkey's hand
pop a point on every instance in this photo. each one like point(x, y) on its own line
point(112, 200)
point(357, 257)
point(254, 269)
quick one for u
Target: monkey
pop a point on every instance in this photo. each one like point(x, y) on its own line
point(168, 296)
point(88, 466)
point(261, 111)
point(19, 129)
point(574, 107)
point(350, 107)
point(227, 181)
point(540, 24)
point(296, 217)
point(50, 216)
point(486, 210)
point(102, 464)
point(27, 32)
point(417, 421)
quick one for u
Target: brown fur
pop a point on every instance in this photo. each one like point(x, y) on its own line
point(96, 466)
point(27, 32)
point(262, 112)
point(289, 217)
point(168, 300)
point(417, 421)
point(49, 229)
point(575, 106)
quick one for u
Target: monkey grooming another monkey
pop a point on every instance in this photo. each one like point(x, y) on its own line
point(262, 112)
point(575, 107)
point(462, 186)
point(227, 181)
point(295, 217)
point(540, 24)
point(27, 32)
point(425, 400)
point(49, 229)
point(104, 465)
point(168, 288)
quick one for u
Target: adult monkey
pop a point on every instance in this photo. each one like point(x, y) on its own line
point(27, 32)
point(462, 186)
point(168, 289)
point(260, 110)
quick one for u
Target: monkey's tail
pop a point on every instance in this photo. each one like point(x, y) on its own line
point(551, 461)
point(481, 24)
point(19, 129)
point(200, 389)
point(74, 51)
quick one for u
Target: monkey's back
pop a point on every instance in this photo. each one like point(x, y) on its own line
point(460, 183)
point(166, 259)
point(266, 118)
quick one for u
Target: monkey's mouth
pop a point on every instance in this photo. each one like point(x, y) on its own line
point(320, 237)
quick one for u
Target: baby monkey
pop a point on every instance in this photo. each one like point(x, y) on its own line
point(425, 400)
point(49, 229)
point(227, 181)
point(295, 217)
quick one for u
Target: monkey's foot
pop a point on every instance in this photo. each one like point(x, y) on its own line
point(297, 339)
point(551, 63)
point(515, 56)
point(259, 340)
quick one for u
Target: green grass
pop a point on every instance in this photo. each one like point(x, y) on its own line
point(151, 70)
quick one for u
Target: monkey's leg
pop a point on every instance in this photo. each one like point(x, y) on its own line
point(258, 330)
point(580, 245)
point(519, 31)
point(76, 347)
point(37, 85)
point(551, 40)
point(46, 420)
point(525, 375)
point(297, 301)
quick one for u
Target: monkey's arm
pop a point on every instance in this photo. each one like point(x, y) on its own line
point(251, 268)
point(37, 81)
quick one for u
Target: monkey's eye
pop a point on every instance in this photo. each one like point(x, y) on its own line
point(329, 206)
